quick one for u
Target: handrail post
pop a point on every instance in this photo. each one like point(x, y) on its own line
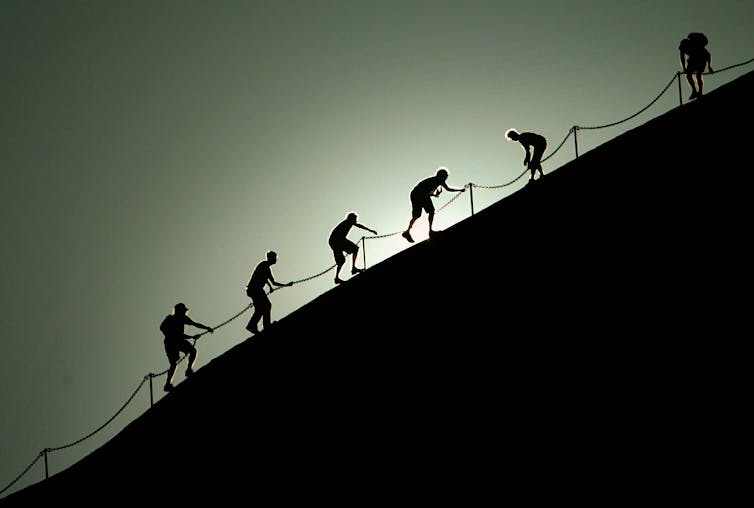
point(364, 251)
point(471, 197)
point(47, 469)
point(151, 391)
point(575, 140)
point(680, 91)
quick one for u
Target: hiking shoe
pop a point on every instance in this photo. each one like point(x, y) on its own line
point(354, 271)
point(693, 96)
point(338, 280)
point(252, 329)
point(189, 372)
point(407, 236)
point(168, 387)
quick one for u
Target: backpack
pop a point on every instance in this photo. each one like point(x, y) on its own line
point(698, 39)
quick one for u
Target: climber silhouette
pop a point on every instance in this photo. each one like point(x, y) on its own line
point(176, 340)
point(261, 277)
point(695, 58)
point(340, 244)
point(530, 140)
point(421, 199)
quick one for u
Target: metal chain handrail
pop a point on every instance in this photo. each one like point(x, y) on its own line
point(501, 185)
point(469, 185)
point(377, 237)
point(313, 276)
point(21, 475)
point(728, 67)
point(642, 110)
point(570, 131)
point(56, 448)
point(458, 195)
point(675, 76)
point(228, 320)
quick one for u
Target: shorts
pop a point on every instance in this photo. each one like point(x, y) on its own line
point(175, 346)
point(338, 248)
point(419, 203)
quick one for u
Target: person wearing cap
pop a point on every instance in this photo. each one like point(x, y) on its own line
point(261, 277)
point(340, 244)
point(421, 199)
point(176, 340)
point(530, 140)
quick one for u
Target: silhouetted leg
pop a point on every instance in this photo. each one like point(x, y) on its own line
point(254, 321)
point(690, 79)
point(354, 270)
point(538, 167)
point(338, 280)
point(263, 307)
point(191, 361)
point(171, 373)
point(431, 219)
point(407, 233)
point(699, 84)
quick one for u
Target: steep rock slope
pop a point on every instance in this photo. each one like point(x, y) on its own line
point(583, 339)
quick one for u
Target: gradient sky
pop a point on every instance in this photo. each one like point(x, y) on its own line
point(153, 151)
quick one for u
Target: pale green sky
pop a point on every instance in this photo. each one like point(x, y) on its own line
point(153, 151)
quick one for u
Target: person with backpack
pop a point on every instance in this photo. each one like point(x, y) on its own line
point(261, 277)
point(421, 199)
point(340, 244)
point(176, 340)
point(530, 140)
point(695, 58)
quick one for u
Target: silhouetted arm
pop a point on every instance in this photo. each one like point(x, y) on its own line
point(528, 154)
point(272, 282)
point(452, 189)
point(199, 325)
point(360, 226)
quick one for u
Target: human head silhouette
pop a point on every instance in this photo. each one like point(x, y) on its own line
point(352, 217)
point(512, 134)
point(442, 173)
point(272, 257)
point(180, 308)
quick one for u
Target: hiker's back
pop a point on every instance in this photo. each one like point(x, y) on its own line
point(259, 276)
point(171, 326)
point(532, 139)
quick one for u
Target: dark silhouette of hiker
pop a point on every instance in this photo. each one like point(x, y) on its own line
point(340, 244)
point(530, 140)
point(261, 277)
point(421, 199)
point(695, 58)
point(176, 340)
